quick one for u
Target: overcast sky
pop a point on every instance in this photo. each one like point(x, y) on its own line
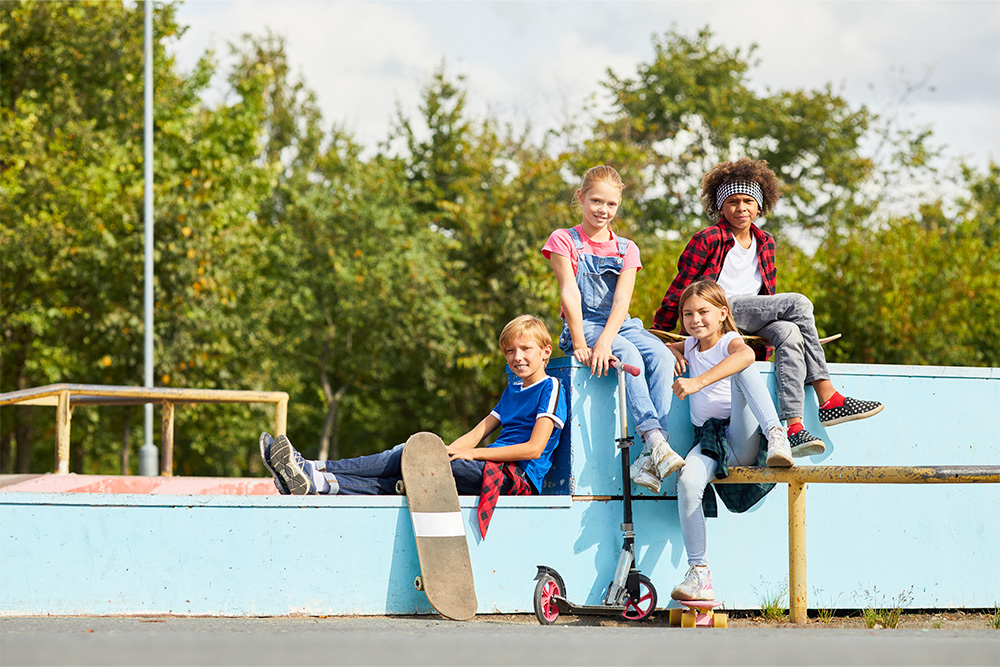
point(540, 61)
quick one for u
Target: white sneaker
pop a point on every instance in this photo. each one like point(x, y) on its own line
point(779, 452)
point(697, 585)
point(667, 460)
point(641, 473)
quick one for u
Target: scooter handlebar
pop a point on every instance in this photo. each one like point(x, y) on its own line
point(628, 368)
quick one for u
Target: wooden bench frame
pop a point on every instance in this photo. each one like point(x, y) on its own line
point(65, 397)
point(797, 477)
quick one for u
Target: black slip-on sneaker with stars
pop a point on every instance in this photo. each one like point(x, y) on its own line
point(851, 409)
point(804, 443)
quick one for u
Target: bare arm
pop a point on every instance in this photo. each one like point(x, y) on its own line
point(740, 356)
point(524, 451)
point(600, 361)
point(569, 295)
point(478, 433)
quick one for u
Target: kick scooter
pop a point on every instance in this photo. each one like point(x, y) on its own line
point(630, 594)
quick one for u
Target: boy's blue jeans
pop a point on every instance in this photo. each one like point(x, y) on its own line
point(377, 474)
point(786, 322)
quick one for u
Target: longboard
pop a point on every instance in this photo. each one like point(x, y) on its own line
point(699, 614)
point(442, 549)
point(760, 347)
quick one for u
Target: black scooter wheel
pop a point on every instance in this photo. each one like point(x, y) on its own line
point(643, 608)
point(546, 610)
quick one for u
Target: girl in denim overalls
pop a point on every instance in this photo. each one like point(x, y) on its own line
point(596, 272)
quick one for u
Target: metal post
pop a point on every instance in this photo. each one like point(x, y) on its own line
point(167, 460)
point(147, 453)
point(797, 605)
point(64, 414)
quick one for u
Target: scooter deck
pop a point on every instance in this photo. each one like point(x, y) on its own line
point(567, 607)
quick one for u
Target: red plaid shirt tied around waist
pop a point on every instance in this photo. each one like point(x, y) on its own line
point(703, 258)
point(494, 474)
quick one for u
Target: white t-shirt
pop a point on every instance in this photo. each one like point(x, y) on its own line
point(741, 270)
point(715, 400)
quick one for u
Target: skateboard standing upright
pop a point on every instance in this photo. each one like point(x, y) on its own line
point(442, 549)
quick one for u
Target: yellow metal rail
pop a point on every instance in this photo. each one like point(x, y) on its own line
point(65, 397)
point(797, 478)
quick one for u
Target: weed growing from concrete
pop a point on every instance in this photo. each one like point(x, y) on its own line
point(880, 615)
point(995, 618)
point(772, 602)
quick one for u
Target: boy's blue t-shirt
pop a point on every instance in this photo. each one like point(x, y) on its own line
point(518, 410)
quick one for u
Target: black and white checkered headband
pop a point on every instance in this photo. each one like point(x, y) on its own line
point(727, 190)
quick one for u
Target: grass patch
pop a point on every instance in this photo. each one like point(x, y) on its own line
point(878, 614)
point(773, 602)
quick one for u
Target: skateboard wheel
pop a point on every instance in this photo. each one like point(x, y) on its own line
point(400, 488)
point(675, 618)
point(418, 583)
point(721, 620)
point(688, 618)
point(546, 610)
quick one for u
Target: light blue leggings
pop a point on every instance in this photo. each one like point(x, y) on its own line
point(752, 411)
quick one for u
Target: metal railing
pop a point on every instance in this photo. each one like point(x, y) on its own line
point(797, 477)
point(65, 397)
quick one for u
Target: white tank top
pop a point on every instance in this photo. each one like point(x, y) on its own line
point(741, 270)
point(715, 400)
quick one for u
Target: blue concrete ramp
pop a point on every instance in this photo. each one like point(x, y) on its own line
point(233, 548)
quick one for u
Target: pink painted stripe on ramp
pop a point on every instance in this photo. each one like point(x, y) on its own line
point(224, 486)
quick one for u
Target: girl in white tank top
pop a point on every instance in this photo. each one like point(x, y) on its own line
point(730, 408)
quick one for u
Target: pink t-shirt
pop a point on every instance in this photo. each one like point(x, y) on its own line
point(561, 243)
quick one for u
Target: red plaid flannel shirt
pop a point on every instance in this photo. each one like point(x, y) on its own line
point(494, 476)
point(703, 257)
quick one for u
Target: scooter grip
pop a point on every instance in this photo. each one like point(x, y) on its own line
point(628, 368)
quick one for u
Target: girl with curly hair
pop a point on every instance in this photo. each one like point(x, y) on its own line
point(739, 256)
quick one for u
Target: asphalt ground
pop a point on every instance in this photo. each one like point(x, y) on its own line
point(488, 640)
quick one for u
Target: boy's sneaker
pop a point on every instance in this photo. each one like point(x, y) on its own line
point(697, 585)
point(641, 473)
point(851, 409)
point(293, 470)
point(667, 460)
point(804, 443)
point(265, 454)
point(779, 453)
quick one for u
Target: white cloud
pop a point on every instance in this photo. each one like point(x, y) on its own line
point(539, 61)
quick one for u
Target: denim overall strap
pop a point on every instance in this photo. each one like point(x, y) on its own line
point(597, 278)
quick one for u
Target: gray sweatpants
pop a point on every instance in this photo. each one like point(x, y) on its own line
point(786, 321)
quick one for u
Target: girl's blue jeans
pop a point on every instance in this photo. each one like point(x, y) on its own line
point(648, 395)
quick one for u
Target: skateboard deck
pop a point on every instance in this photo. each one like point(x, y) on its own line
point(442, 549)
point(760, 347)
point(699, 614)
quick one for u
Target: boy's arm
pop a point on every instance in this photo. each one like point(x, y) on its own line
point(524, 451)
point(478, 433)
point(740, 356)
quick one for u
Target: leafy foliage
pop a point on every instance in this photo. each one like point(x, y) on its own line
point(371, 284)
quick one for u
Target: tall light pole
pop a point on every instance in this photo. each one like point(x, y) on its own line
point(148, 456)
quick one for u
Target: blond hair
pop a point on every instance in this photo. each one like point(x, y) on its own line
point(525, 326)
point(710, 291)
point(599, 174)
